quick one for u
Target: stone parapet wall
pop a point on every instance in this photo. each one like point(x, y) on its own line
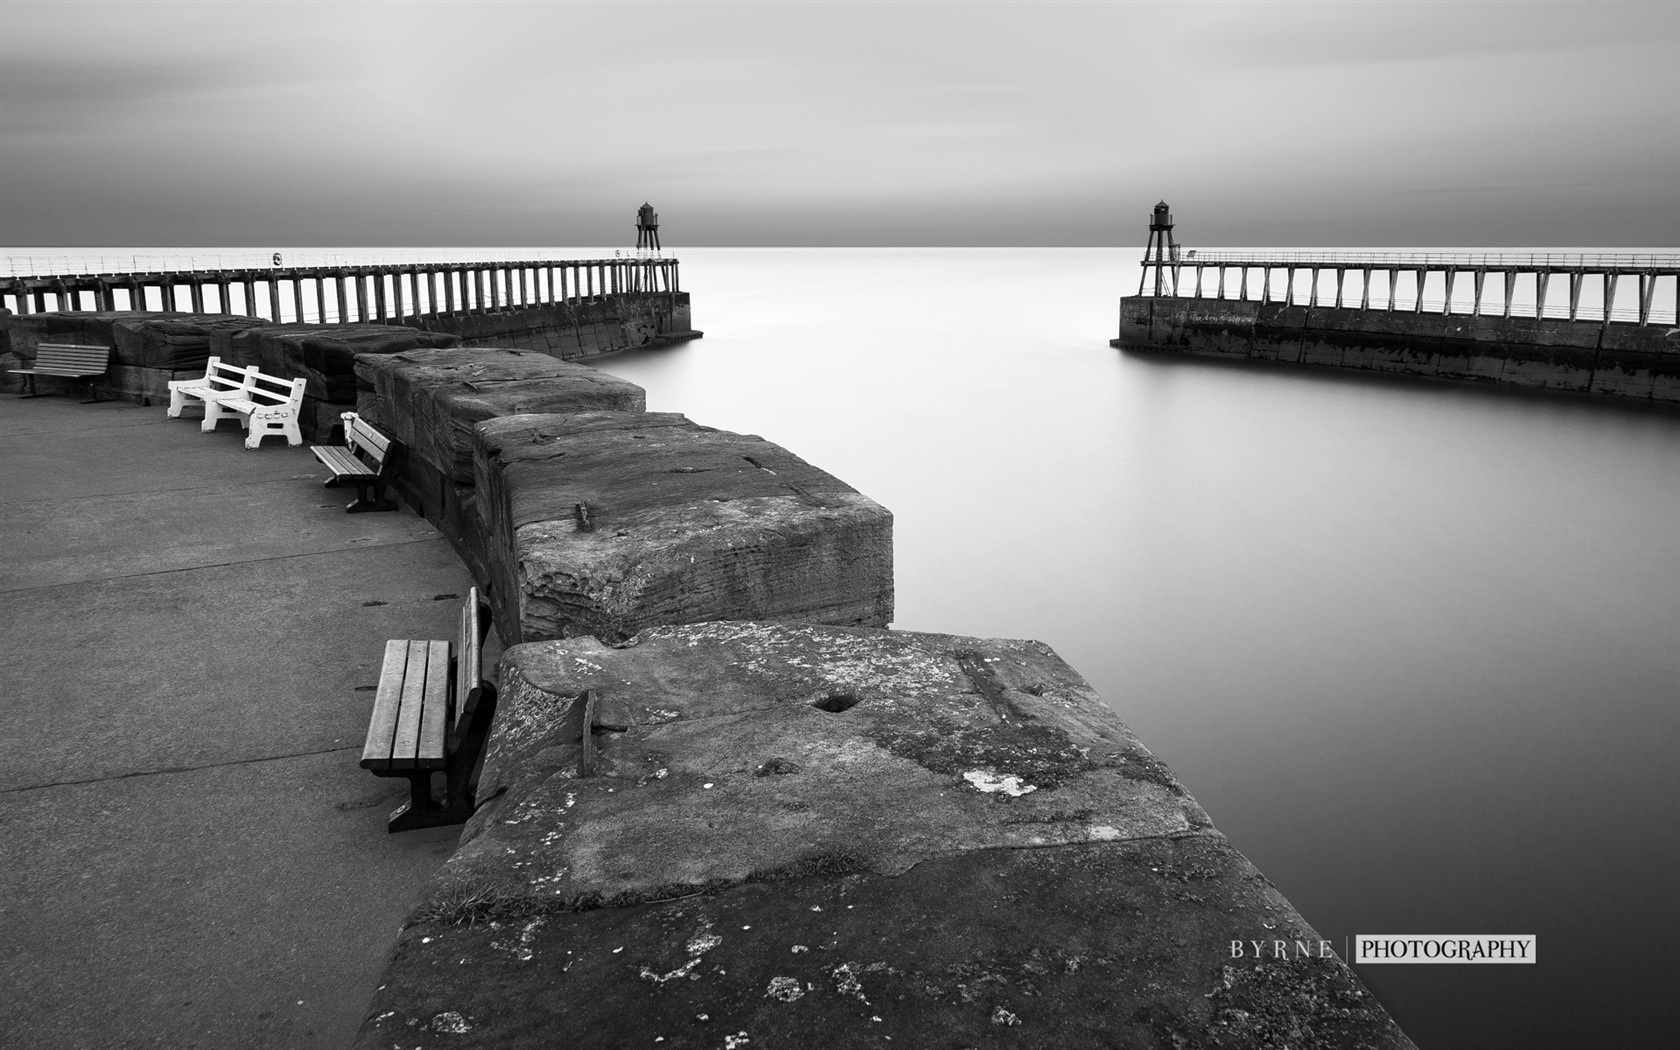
point(430, 399)
point(575, 328)
point(605, 523)
point(1617, 359)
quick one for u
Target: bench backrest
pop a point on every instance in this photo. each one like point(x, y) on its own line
point(469, 666)
point(362, 439)
point(222, 378)
point(261, 387)
point(72, 358)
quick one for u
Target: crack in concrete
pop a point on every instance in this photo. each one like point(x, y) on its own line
point(157, 492)
point(222, 564)
point(177, 769)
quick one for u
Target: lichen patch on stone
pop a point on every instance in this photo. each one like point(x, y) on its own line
point(784, 989)
point(990, 783)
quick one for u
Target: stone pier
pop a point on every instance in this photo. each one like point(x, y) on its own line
point(750, 834)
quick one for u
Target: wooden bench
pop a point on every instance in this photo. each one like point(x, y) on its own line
point(432, 712)
point(264, 404)
point(365, 460)
point(67, 361)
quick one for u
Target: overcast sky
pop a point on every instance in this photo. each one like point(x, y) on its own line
point(546, 124)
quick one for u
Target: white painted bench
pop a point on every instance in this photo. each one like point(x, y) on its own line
point(365, 460)
point(432, 713)
point(67, 361)
point(264, 404)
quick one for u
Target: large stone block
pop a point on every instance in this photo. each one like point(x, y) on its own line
point(683, 523)
point(173, 342)
point(431, 399)
point(794, 835)
point(324, 354)
point(575, 328)
point(81, 327)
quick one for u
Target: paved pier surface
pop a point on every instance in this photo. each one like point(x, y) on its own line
point(189, 854)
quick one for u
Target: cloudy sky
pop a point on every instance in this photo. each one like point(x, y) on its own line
point(546, 124)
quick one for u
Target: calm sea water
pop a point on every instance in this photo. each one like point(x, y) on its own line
point(1415, 646)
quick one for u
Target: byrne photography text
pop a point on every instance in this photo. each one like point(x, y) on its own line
point(1444, 948)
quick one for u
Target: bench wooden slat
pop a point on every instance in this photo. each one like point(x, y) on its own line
point(376, 754)
point(468, 657)
point(359, 434)
point(434, 719)
point(341, 462)
point(469, 669)
point(71, 359)
point(407, 737)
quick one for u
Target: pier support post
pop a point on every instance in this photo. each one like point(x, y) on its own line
point(1476, 307)
point(1576, 279)
point(1647, 287)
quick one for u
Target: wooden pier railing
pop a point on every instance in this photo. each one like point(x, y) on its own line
point(1637, 288)
point(386, 294)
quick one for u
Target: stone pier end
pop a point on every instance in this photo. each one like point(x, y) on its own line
point(793, 835)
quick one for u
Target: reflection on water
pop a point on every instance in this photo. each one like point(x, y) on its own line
point(1415, 646)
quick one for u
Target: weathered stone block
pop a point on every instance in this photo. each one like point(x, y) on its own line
point(324, 354)
point(431, 399)
point(684, 523)
point(80, 327)
point(810, 836)
point(139, 384)
point(575, 328)
point(173, 342)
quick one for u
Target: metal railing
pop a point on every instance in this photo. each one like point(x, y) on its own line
point(1638, 261)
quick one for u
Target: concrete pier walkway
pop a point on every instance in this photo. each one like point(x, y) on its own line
point(189, 854)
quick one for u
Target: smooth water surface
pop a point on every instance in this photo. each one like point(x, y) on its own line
point(1414, 645)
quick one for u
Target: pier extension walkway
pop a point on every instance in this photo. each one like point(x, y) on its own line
point(189, 853)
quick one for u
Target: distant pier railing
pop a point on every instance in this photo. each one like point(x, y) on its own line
point(1637, 288)
point(380, 293)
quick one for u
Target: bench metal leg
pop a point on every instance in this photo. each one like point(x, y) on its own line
point(29, 385)
point(366, 500)
point(420, 811)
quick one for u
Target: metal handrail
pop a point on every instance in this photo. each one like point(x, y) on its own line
point(1414, 260)
point(110, 265)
